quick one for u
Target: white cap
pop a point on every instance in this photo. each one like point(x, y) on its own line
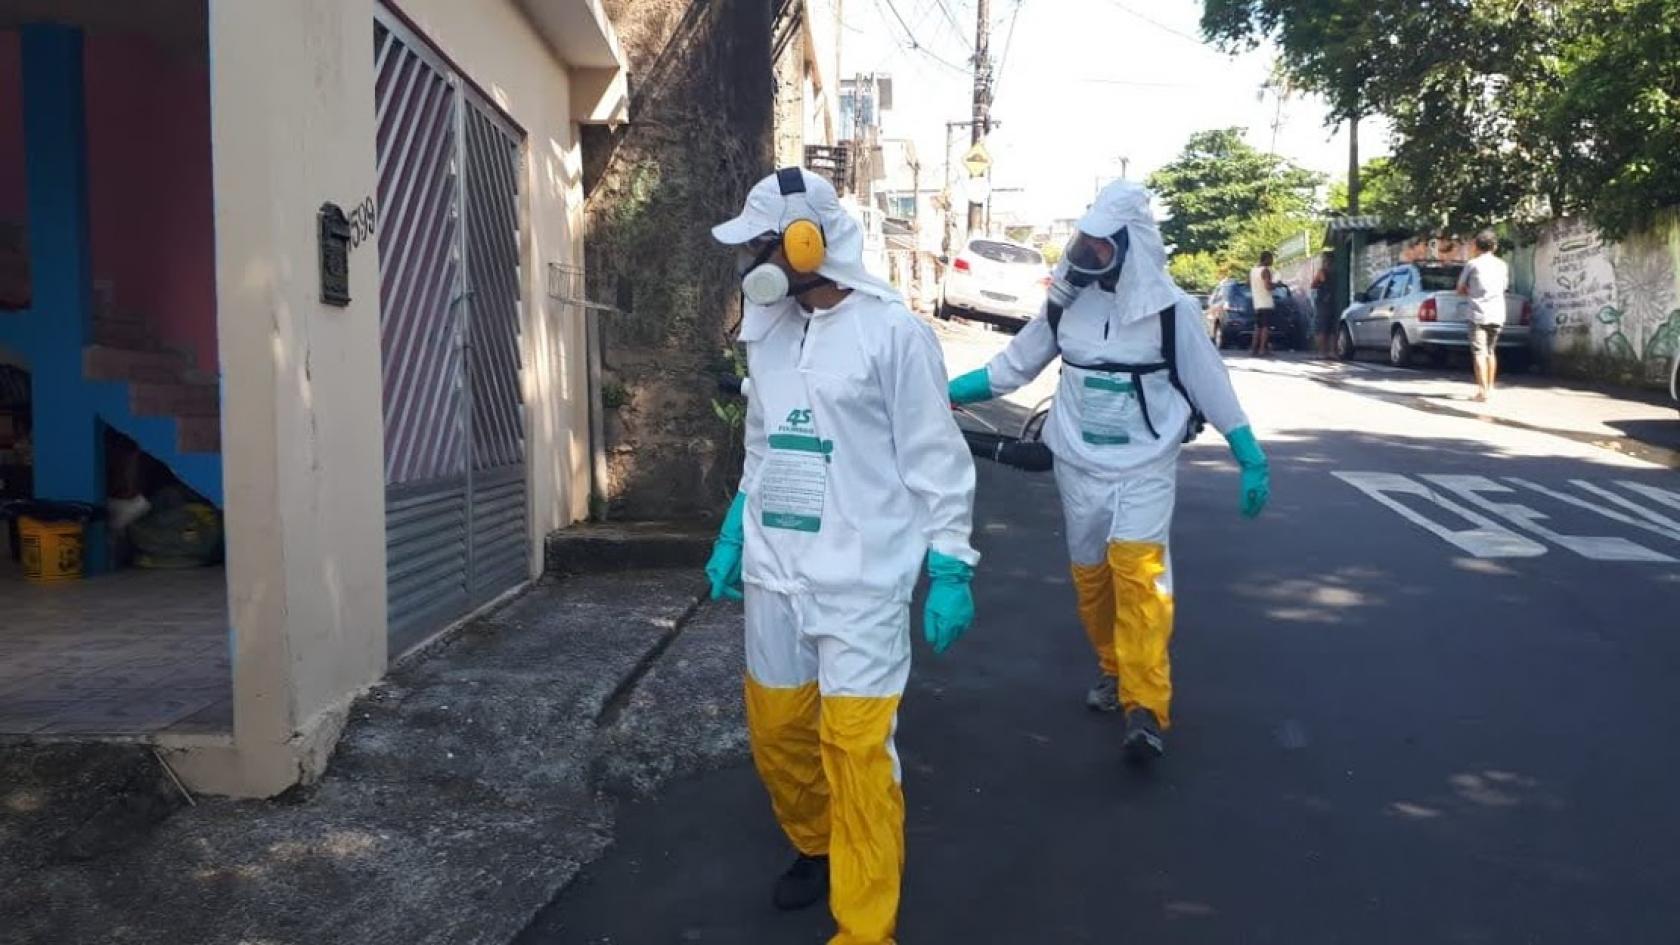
point(767, 210)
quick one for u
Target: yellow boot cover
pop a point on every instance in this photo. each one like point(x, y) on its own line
point(782, 725)
point(1143, 626)
point(866, 854)
point(1093, 587)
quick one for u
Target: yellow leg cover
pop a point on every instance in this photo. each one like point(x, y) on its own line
point(866, 854)
point(1143, 626)
point(782, 725)
point(1093, 587)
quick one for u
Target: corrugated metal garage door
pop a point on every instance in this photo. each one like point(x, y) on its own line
point(456, 533)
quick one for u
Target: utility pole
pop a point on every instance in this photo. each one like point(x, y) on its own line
point(1353, 166)
point(982, 91)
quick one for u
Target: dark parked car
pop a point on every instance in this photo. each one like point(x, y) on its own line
point(1230, 316)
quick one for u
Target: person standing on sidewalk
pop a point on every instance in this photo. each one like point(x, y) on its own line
point(1260, 286)
point(1136, 366)
point(1484, 281)
point(1324, 304)
point(855, 475)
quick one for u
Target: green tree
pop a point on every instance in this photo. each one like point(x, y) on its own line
point(1195, 272)
point(1617, 102)
point(1502, 110)
point(1385, 193)
point(1219, 184)
point(1332, 47)
point(1266, 234)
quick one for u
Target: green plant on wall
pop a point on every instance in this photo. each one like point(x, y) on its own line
point(1665, 341)
point(732, 411)
point(1616, 344)
point(614, 395)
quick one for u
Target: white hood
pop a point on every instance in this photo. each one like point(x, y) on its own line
point(1144, 288)
point(767, 210)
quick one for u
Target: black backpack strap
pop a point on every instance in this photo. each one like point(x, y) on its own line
point(1169, 353)
point(1053, 315)
point(1169, 348)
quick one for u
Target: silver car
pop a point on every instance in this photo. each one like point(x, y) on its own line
point(1416, 307)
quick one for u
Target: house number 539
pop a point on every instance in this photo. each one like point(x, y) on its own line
point(364, 222)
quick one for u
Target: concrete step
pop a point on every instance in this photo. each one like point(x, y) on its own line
point(591, 548)
point(123, 333)
point(174, 400)
point(107, 363)
point(199, 434)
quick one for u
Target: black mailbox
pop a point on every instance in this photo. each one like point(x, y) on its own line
point(334, 236)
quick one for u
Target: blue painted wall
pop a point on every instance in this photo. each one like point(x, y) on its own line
point(51, 335)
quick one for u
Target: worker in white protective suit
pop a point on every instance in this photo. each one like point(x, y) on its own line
point(1138, 375)
point(855, 475)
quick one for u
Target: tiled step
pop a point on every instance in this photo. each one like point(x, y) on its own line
point(106, 363)
point(123, 333)
point(174, 400)
point(199, 434)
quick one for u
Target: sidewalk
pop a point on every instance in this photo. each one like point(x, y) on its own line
point(1635, 422)
point(1638, 423)
point(469, 788)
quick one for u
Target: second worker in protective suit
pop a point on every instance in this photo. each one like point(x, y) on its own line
point(855, 476)
point(1138, 372)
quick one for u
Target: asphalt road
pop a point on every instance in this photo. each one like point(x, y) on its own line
point(1396, 722)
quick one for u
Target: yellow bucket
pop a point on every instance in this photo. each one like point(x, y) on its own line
point(52, 551)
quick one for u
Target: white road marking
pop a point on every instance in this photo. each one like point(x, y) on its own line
point(1597, 548)
point(1488, 540)
point(1664, 524)
point(1660, 496)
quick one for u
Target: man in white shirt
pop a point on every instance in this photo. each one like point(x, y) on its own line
point(1484, 281)
point(1260, 285)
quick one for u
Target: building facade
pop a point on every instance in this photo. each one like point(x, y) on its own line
point(315, 263)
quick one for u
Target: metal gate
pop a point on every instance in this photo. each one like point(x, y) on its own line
point(455, 506)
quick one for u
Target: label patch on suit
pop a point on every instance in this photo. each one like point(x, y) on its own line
point(794, 485)
point(1108, 410)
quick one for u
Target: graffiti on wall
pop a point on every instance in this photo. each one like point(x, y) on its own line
point(1620, 301)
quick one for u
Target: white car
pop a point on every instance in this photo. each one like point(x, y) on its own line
point(995, 281)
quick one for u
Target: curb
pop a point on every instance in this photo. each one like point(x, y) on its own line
point(1622, 445)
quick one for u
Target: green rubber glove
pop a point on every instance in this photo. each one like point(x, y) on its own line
point(723, 569)
point(971, 388)
point(950, 603)
point(1256, 473)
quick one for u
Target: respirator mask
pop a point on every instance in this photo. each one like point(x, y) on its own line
point(1088, 260)
point(801, 240)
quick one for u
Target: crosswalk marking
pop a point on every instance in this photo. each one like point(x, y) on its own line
point(1472, 501)
point(1488, 539)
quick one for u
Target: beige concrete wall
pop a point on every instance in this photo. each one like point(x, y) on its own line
point(495, 44)
point(291, 127)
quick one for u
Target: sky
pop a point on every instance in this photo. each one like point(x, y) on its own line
point(1080, 84)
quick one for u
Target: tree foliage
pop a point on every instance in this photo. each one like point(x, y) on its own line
point(1385, 193)
point(1616, 104)
point(1219, 185)
point(1195, 272)
point(1512, 110)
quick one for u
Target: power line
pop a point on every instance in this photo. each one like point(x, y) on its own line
point(915, 44)
point(1008, 42)
point(950, 18)
point(1200, 43)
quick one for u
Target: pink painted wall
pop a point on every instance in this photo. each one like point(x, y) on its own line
point(149, 185)
point(11, 129)
point(149, 188)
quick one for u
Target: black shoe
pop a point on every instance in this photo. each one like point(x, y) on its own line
point(803, 885)
point(1143, 742)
